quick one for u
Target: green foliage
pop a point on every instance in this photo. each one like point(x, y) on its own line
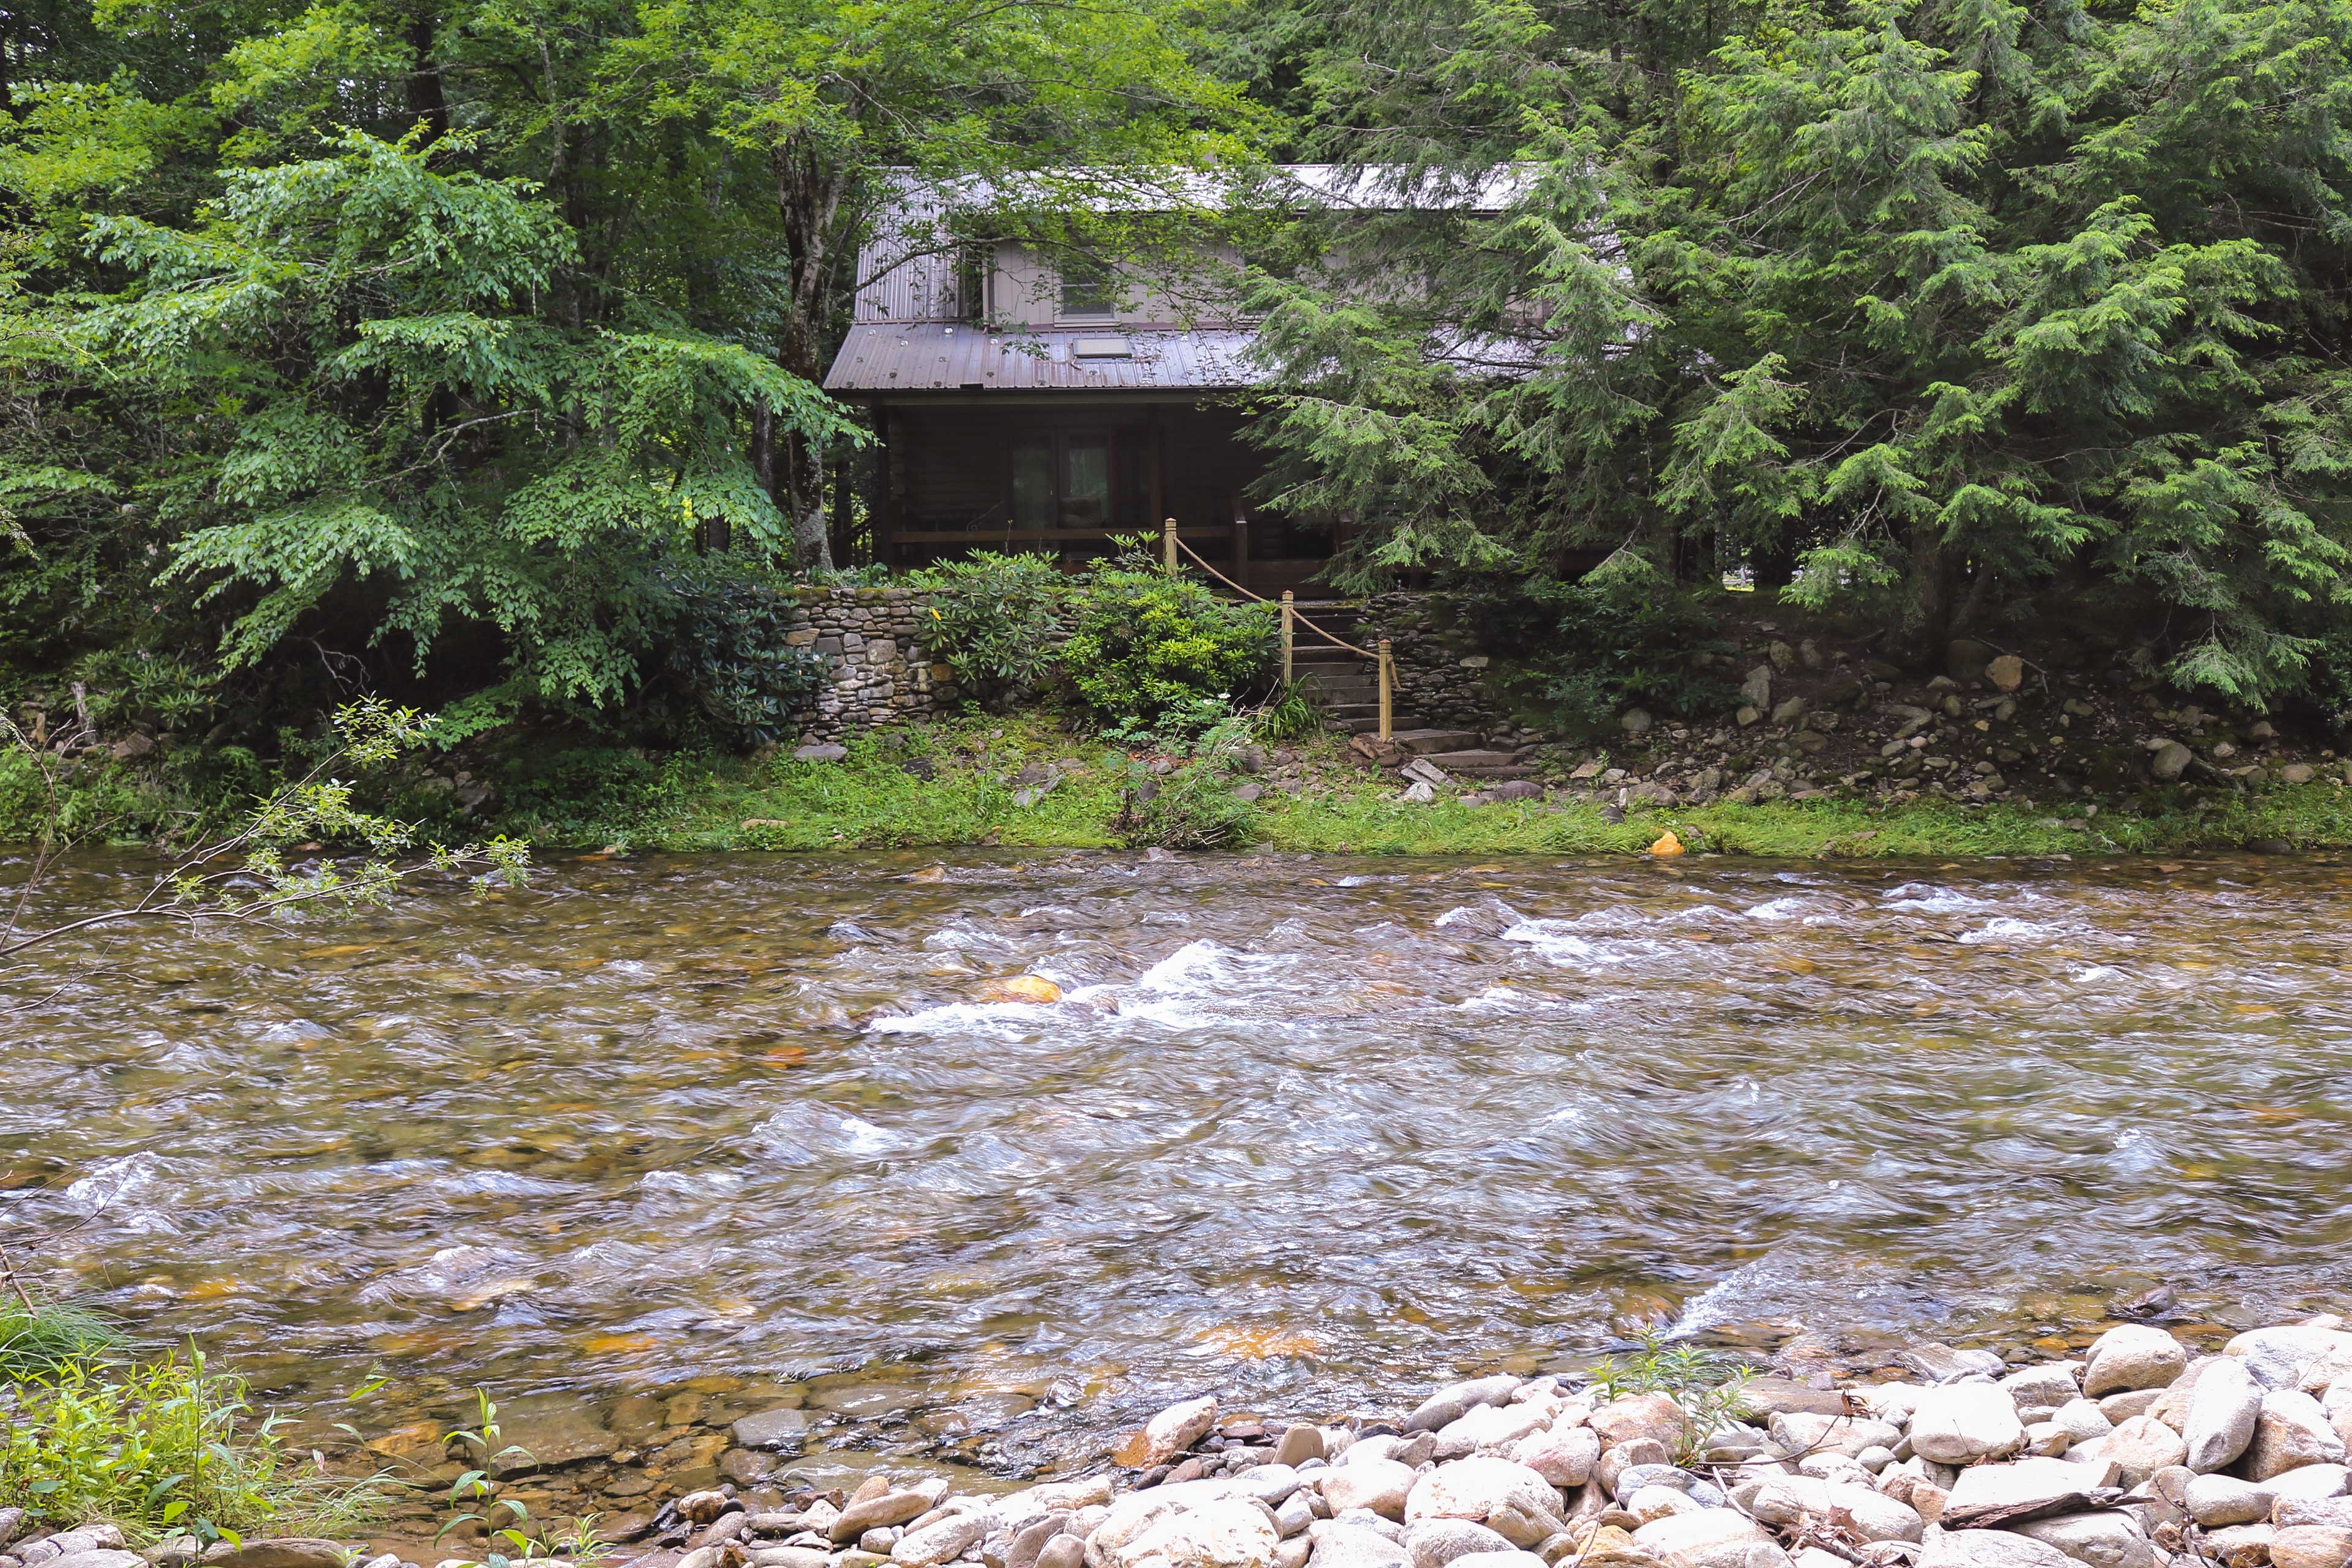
point(1149, 650)
point(1706, 1384)
point(1620, 636)
point(41, 1340)
point(1289, 715)
point(996, 620)
point(165, 1447)
point(729, 650)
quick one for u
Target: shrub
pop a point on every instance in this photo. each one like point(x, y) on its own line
point(168, 1448)
point(995, 621)
point(1194, 806)
point(729, 654)
point(1147, 647)
point(1620, 636)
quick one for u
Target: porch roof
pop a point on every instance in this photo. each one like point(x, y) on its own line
point(942, 356)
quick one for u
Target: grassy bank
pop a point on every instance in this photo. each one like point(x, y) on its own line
point(872, 799)
point(973, 782)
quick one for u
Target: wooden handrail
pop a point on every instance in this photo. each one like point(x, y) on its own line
point(1383, 660)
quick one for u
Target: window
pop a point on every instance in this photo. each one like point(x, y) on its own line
point(1086, 289)
point(1085, 482)
point(973, 263)
point(1033, 485)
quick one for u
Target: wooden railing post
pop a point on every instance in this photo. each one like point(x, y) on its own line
point(1387, 681)
point(1168, 544)
point(1241, 553)
point(1290, 636)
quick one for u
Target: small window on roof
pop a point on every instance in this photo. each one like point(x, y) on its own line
point(1087, 287)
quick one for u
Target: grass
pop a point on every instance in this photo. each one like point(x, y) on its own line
point(871, 800)
point(164, 1448)
point(41, 1341)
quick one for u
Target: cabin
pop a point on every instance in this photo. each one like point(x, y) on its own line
point(1028, 397)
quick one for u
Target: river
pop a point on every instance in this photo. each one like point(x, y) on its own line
point(1302, 1130)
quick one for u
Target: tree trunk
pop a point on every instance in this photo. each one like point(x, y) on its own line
point(426, 101)
point(808, 197)
point(1934, 572)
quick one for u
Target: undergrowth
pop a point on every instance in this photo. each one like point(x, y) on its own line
point(164, 1448)
point(40, 1340)
point(1707, 1385)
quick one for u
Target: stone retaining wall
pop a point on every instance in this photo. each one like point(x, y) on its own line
point(1440, 673)
point(878, 671)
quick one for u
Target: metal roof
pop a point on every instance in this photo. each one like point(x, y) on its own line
point(937, 356)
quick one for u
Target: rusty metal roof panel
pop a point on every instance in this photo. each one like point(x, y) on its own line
point(933, 357)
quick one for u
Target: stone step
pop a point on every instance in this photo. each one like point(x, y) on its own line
point(1481, 763)
point(1421, 743)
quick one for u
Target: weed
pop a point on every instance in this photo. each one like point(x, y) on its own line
point(165, 1447)
point(38, 1341)
point(1707, 1386)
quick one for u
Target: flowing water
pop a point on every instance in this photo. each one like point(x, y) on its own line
point(1304, 1131)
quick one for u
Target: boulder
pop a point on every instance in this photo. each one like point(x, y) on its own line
point(1434, 1543)
point(2217, 1501)
point(2291, 1512)
point(2223, 1407)
point(1219, 1532)
point(2133, 1355)
point(2312, 1546)
point(286, 1552)
point(1873, 1514)
point(2279, 1357)
point(2110, 1540)
point(1648, 1503)
point(1988, 1549)
point(874, 1513)
point(1512, 1559)
point(1381, 1485)
point(1804, 1431)
point(2026, 1489)
point(1509, 1499)
point(2310, 1482)
point(1565, 1458)
point(1175, 1430)
point(2006, 673)
point(1712, 1538)
point(2081, 1420)
point(2139, 1447)
point(1340, 1545)
point(1656, 1416)
point(941, 1541)
point(1960, 1423)
point(2047, 1385)
point(1455, 1400)
point(2290, 1432)
point(1489, 1427)
point(97, 1557)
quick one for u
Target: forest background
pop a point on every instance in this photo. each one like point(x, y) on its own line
point(437, 349)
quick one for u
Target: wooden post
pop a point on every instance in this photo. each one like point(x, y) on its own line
point(1288, 636)
point(1241, 549)
point(1168, 544)
point(1387, 665)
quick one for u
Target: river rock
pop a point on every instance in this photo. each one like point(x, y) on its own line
point(1509, 1499)
point(1490, 1427)
point(1381, 1485)
point(1712, 1538)
point(1301, 1441)
point(1218, 1532)
point(1656, 1416)
point(1648, 1503)
point(2171, 1405)
point(1173, 1431)
point(1063, 1551)
point(1944, 1548)
point(2332, 1511)
point(2081, 1420)
point(97, 1557)
point(2133, 1355)
point(2222, 1409)
point(2278, 1357)
point(2311, 1482)
point(871, 1513)
point(2139, 1447)
point(2216, 1501)
point(2311, 1546)
point(1507, 1559)
point(2046, 1386)
point(2107, 1540)
point(941, 1541)
point(1634, 1476)
point(1960, 1423)
point(1455, 1400)
point(2027, 1489)
point(1565, 1458)
point(1340, 1545)
point(1873, 1514)
point(2289, 1431)
point(287, 1552)
point(2169, 761)
point(1434, 1543)
point(775, 1430)
point(1807, 1432)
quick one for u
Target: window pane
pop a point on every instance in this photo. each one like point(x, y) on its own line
point(1085, 287)
point(1032, 487)
point(1085, 485)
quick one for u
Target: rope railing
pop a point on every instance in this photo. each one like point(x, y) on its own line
point(1170, 545)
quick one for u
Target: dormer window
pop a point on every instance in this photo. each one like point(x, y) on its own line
point(1086, 290)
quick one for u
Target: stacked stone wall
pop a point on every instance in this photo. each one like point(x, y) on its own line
point(877, 670)
point(1441, 674)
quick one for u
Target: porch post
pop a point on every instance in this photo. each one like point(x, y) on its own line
point(1289, 635)
point(1168, 545)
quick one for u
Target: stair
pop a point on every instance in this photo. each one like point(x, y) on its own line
point(1347, 686)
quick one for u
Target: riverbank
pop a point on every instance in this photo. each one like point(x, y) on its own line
point(2124, 1443)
